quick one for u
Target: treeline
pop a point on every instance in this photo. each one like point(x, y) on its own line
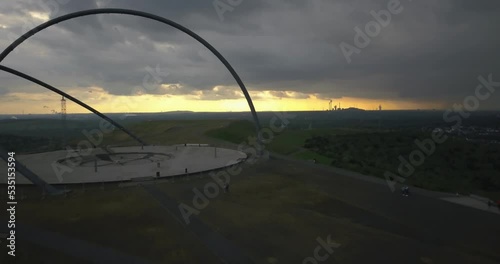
point(27, 144)
point(455, 165)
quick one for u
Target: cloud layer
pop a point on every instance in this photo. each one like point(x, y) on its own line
point(431, 51)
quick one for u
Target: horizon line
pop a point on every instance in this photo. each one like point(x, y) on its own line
point(264, 111)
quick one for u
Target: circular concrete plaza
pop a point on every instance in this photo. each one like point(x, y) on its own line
point(113, 164)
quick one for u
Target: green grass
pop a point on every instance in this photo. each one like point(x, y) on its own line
point(272, 217)
point(284, 142)
point(275, 214)
point(165, 132)
point(27, 252)
point(455, 166)
point(234, 132)
point(290, 141)
point(310, 155)
point(124, 219)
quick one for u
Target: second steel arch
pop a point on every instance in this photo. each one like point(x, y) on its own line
point(57, 20)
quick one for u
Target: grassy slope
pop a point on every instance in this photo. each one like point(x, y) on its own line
point(270, 214)
point(455, 166)
point(166, 132)
point(276, 213)
point(125, 219)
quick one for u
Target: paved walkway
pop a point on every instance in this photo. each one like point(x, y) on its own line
point(434, 227)
point(474, 203)
point(449, 197)
point(220, 246)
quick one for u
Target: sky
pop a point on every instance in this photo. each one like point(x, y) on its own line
point(291, 55)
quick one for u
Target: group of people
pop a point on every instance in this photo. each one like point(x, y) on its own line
point(405, 190)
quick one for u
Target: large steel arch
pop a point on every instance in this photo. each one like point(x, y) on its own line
point(30, 175)
point(57, 20)
point(52, 88)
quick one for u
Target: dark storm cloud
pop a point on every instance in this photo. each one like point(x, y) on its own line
point(3, 90)
point(432, 50)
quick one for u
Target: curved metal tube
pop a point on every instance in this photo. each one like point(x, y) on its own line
point(54, 21)
point(52, 88)
point(35, 179)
